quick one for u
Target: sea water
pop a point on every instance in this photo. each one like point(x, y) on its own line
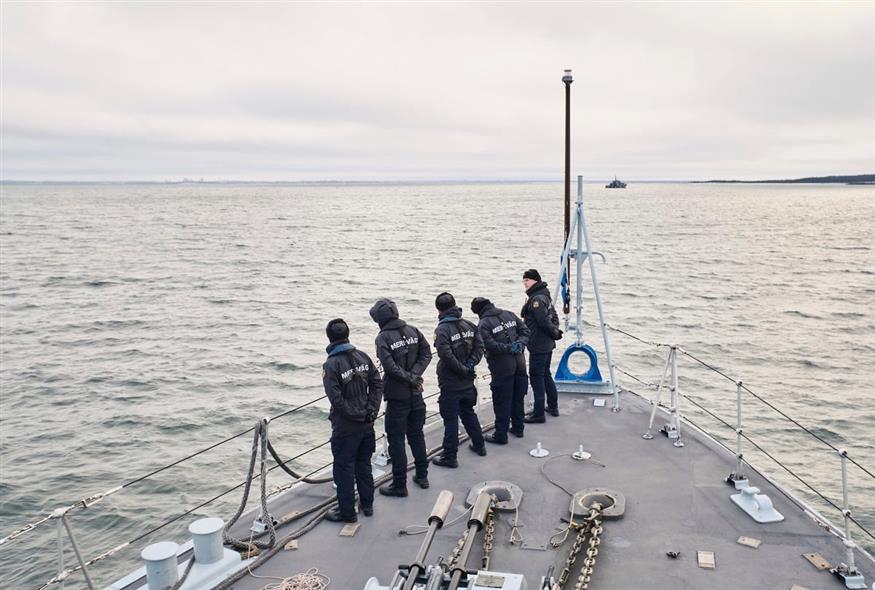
point(141, 323)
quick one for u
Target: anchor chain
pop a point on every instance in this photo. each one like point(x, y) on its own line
point(593, 527)
point(489, 535)
point(589, 563)
point(457, 550)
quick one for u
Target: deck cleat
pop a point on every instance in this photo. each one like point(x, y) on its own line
point(758, 506)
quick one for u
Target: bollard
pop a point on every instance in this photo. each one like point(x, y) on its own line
point(206, 535)
point(162, 570)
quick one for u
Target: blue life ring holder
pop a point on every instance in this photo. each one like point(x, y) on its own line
point(564, 372)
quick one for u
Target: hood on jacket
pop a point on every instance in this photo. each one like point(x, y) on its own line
point(384, 311)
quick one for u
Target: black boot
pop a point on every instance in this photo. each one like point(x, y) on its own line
point(334, 516)
point(368, 510)
point(534, 419)
point(421, 481)
point(553, 411)
point(444, 461)
point(491, 438)
point(399, 491)
point(479, 450)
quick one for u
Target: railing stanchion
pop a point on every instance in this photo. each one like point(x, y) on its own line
point(649, 435)
point(848, 571)
point(675, 399)
point(738, 478)
point(61, 551)
point(77, 552)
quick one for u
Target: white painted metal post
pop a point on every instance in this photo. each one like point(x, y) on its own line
point(649, 435)
point(738, 431)
point(846, 513)
point(76, 551)
point(61, 550)
point(598, 300)
point(675, 394)
point(557, 287)
point(579, 264)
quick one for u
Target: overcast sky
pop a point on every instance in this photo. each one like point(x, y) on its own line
point(155, 91)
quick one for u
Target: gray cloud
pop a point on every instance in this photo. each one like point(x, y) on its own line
point(433, 91)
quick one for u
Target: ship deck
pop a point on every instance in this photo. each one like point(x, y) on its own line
point(676, 500)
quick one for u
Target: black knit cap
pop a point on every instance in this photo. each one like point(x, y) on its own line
point(532, 274)
point(444, 301)
point(478, 303)
point(337, 330)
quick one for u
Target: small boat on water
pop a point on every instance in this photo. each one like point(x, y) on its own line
point(616, 184)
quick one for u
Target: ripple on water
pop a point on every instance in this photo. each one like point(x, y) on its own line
point(119, 359)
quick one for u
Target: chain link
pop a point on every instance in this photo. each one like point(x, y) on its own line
point(592, 526)
point(589, 563)
point(457, 550)
point(489, 535)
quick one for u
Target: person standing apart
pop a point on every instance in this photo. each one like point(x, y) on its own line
point(404, 354)
point(459, 348)
point(543, 322)
point(504, 338)
point(355, 389)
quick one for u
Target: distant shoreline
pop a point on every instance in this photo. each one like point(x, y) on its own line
point(850, 179)
point(859, 179)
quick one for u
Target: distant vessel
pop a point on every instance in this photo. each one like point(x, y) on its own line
point(616, 184)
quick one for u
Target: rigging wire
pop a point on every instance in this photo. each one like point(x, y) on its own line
point(759, 397)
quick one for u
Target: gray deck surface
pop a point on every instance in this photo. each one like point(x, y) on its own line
point(676, 501)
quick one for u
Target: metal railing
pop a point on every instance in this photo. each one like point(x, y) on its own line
point(672, 429)
point(673, 408)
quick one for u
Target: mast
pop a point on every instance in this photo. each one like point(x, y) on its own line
point(567, 79)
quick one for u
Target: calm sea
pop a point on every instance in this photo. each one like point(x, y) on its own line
point(143, 322)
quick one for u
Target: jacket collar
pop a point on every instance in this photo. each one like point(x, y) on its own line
point(339, 347)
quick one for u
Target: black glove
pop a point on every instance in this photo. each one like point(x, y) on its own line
point(371, 417)
point(557, 334)
point(417, 385)
point(472, 373)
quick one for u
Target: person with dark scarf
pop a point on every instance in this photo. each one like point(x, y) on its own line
point(404, 353)
point(543, 322)
point(354, 389)
point(504, 338)
point(459, 348)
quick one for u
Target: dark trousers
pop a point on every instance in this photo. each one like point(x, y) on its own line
point(542, 382)
point(455, 405)
point(405, 418)
point(518, 405)
point(502, 402)
point(352, 468)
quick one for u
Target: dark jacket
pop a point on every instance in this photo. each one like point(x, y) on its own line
point(459, 348)
point(499, 329)
point(541, 318)
point(353, 386)
point(403, 351)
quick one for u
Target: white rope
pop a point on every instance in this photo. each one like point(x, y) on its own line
point(312, 579)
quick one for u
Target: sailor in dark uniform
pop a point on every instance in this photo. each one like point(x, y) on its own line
point(504, 338)
point(404, 354)
point(355, 389)
point(459, 348)
point(543, 322)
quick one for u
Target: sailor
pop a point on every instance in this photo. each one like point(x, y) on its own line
point(459, 349)
point(354, 388)
point(543, 322)
point(504, 338)
point(404, 354)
